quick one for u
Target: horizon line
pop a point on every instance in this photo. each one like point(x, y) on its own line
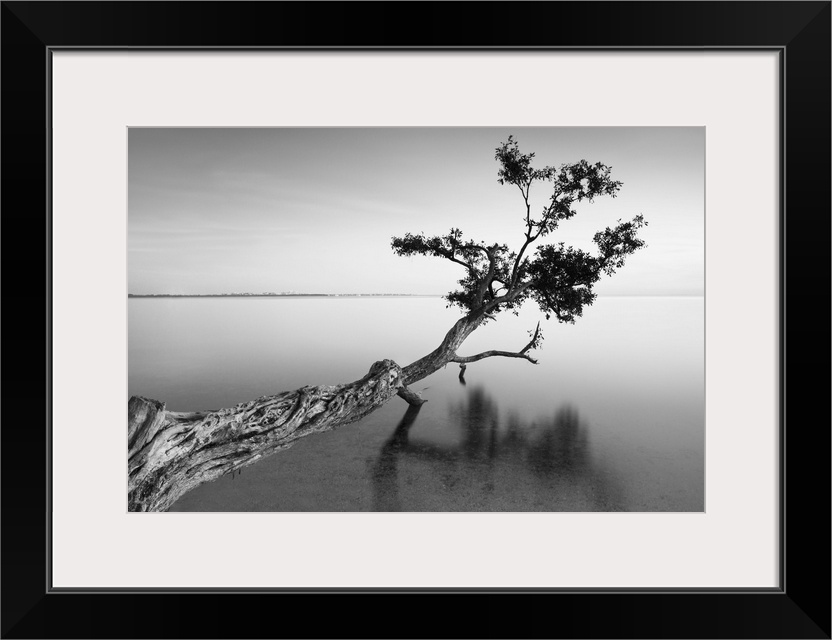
point(410, 295)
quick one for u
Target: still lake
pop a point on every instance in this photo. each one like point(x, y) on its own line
point(611, 419)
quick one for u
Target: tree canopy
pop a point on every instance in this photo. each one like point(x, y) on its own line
point(559, 279)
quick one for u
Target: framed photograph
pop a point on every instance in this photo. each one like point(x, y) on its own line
point(257, 228)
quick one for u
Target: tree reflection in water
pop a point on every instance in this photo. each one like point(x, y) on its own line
point(519, 465)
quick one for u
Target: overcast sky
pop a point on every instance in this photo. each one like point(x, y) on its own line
point(313, 210)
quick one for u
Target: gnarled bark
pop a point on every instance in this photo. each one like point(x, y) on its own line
point(170, 453)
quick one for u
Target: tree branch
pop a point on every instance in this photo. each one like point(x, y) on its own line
point(529, 239)
point(507, 297)
point(450, 256)
point(491, 354)
point(488, 279)
point(523, 353)
point(412, 398)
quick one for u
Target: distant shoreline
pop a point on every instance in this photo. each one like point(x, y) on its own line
point(282, 295)
point(361, 295)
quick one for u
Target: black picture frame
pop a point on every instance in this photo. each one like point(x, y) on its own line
point(799, 608)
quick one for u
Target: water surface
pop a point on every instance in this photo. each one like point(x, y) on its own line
point(611, 419)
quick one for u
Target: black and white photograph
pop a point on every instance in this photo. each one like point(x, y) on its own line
point(462, 301)
point(450, 319)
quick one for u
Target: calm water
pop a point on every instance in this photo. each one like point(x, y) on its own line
point(612, 419)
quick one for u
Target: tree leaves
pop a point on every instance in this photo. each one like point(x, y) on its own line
point(515, 167)
point(560, 279)
point(619, 242)
point(478, 285)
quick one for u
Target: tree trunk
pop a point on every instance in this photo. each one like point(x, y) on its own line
point(170, 453)
point(443, 354)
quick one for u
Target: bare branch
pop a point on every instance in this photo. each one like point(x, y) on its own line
point(523, 353)
point(491, 354)
point(535, 341)
point(529, 239)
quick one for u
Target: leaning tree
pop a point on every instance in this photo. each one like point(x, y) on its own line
point(171, 452)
